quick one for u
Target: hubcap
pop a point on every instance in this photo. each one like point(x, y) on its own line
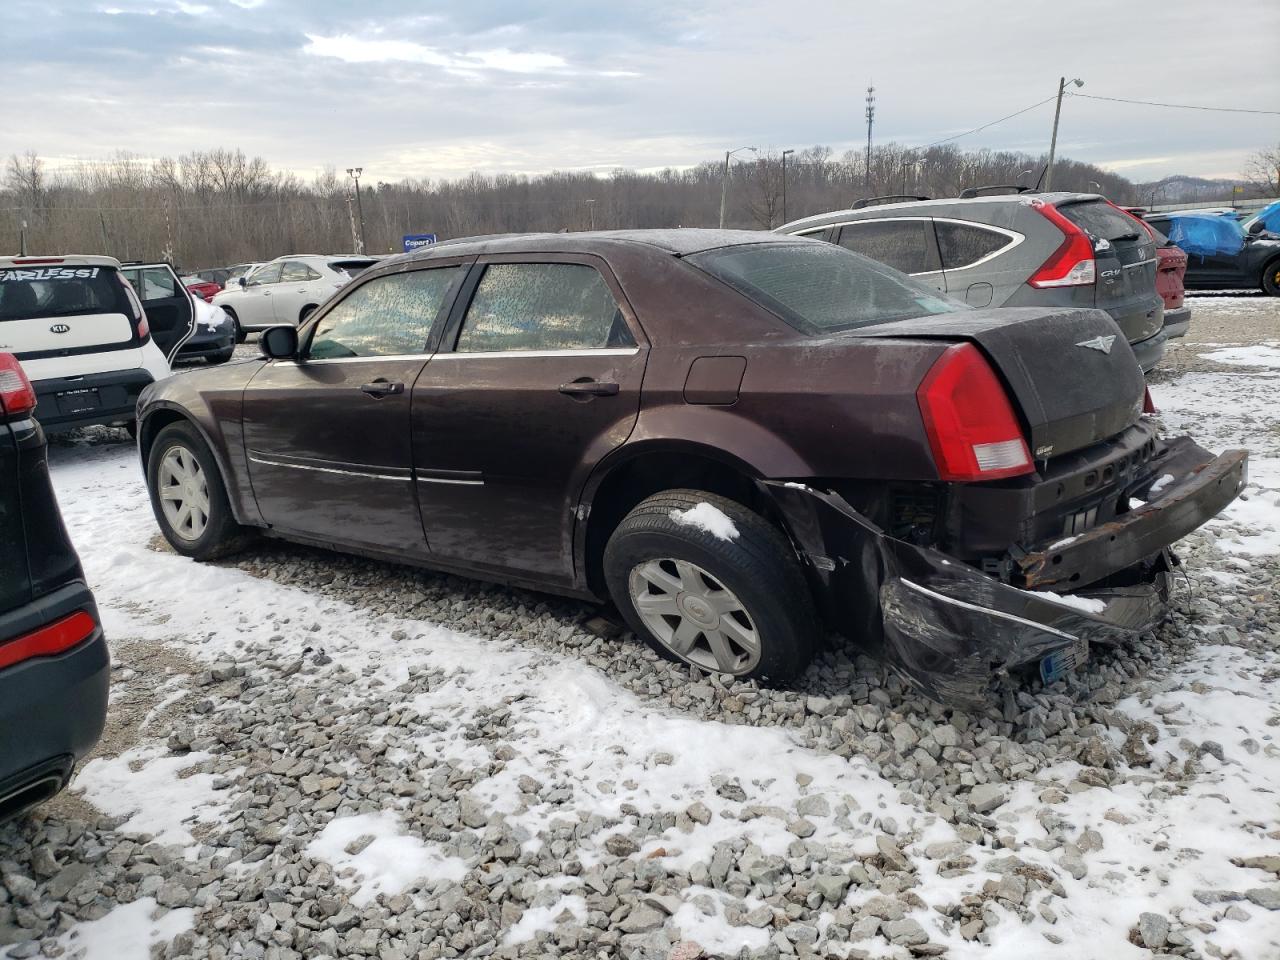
point(695, 616)
point(183, 492)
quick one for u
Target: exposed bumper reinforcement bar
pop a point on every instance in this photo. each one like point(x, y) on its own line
point(949, 628)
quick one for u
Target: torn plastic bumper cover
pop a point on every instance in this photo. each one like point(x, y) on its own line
point(949, 628)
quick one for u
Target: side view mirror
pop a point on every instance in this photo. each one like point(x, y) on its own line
point(279, 343)
point(240, 280)
point(1257, 228)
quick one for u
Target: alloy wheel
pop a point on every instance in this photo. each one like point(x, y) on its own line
point(693, 615)
point(183, 490)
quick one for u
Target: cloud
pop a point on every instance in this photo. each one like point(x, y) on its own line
point(353, 49)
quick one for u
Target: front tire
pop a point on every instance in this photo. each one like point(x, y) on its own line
point(222, 356)
point(1271, 279)
point(708, 582)
point(188, 496)
point(235, 322)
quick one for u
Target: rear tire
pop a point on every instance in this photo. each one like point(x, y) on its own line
point(1271, 278)
point(725, 604)
point(222, 356)
point(235, 322)
point(305, 312)
point(188, 497)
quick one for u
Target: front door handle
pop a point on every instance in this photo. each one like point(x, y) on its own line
point(383, 388)
point(586, 387)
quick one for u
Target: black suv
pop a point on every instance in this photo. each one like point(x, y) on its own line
point(1221, 255)
point(53, 656)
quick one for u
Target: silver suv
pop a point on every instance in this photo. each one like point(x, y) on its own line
point(1013, 250)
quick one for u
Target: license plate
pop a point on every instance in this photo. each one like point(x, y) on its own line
point(1061, 662)
point(78, 401)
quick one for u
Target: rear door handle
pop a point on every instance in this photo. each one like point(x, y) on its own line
point(590, 388)
point(383, 388)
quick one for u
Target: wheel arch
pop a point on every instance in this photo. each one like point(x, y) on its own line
point(644, 468)
point(163, 414)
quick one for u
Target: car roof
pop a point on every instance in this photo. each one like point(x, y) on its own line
point(74, 260)
point(871, 212)
point(679, 241)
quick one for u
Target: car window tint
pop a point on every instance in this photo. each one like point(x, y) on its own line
point(389, 316)
point(1099, 219)
point(818, 288)
point(542, 306)
point(267, 274)
point(902, 244)
point(154, 284)
point(294, 272)
point(962, 244)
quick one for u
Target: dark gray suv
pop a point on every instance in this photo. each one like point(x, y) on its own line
point(1018, 250)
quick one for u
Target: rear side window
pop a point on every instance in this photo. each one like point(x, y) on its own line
point(819, 288)
point(296, 272)
point(1101, 220)
point(902, 244)
point(39, 291)
point(542, 306)
point(963, 245)
point(387, 317)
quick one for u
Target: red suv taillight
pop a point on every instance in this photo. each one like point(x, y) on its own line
point(969, 421)
point(15, 389)
point(1071, 265)
point(49, 641)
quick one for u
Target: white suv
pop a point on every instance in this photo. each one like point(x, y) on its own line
point(82, 337)
point(286, 290)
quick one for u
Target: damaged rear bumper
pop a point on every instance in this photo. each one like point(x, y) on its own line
point(950, 628)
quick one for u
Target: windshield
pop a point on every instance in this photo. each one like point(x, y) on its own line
point(820, 288)
point(34, 292)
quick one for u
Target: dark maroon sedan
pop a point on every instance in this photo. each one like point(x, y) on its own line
point(736, 437)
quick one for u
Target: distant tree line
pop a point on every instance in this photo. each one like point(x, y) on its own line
point(219, 206)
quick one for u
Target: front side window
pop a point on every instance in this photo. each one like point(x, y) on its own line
point(386, 317)
point(902, 244)
point(963, 244)
point(542, 306)
point(264, 275)
point(819, 288)
point(153, 284)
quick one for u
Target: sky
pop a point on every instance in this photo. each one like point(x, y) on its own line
point(441, 88)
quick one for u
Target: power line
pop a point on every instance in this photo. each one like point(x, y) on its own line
point(992, 123)
point(1177, 106)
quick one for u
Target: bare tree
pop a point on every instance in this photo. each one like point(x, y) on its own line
point(1262, 170)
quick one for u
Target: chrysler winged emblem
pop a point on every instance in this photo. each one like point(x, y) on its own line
point(1101, 344)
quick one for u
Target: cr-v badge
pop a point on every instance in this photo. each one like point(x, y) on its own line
point(60, 328)
point(1101, 344)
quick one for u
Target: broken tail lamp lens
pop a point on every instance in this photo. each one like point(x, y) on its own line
point(970, 423)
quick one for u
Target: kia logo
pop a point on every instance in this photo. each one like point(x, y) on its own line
point(60, 328)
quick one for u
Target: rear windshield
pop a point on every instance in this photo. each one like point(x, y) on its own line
point(351, 267)
point(820, 288)
point(1101, 220)
point(51, 291)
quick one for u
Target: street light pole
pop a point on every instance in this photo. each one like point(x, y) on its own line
point(784, 184)
point(354, 174)
point(1053, 141)
point(591, 206)
point(724, 180)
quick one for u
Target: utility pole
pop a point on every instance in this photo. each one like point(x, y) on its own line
point(784, 184)
point(22, 239)
point(724, 180)
point(355, 239)
point(591, 206)
point(1053, 141)
point(354, 174)
point(871, 116)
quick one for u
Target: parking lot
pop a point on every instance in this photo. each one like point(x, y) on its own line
point(396, 764)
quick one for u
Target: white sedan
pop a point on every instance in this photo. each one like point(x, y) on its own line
point(286, 290)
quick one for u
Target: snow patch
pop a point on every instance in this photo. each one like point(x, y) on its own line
point(158, 797)
point(1259, 355)
point(1160, 484)
point(389, 864)
point(1085, 604)
point(126, 933)
point(707, 517)
point(537, 919)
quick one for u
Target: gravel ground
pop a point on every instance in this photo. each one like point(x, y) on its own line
point(318, 756)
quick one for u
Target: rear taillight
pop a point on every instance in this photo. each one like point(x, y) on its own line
point(15, 389)
point(1071, 265)
point(56, 638)
point(969, 421)
point(1148, 404)
point(143, 329)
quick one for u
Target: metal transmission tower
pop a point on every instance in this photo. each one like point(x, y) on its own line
point(871, 116)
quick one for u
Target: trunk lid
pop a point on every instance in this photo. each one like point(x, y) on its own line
point(1125, 258)
point(64, 310)
point(1070, 372)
